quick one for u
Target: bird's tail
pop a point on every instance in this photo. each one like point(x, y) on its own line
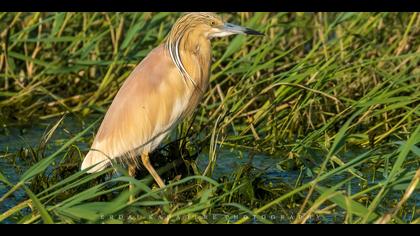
point(96, 159)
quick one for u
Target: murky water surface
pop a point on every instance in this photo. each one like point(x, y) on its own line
point(16, 139)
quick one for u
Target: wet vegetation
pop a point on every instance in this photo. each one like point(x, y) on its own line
point(330, 100)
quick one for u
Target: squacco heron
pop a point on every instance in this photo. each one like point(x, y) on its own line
point(162, 90)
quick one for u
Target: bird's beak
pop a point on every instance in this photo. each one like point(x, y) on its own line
point(236, 29)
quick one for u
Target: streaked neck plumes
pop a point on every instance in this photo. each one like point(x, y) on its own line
point(188, 44)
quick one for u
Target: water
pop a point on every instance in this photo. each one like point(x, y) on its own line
point(229, 161)
point(21, 139)
point(17, 139)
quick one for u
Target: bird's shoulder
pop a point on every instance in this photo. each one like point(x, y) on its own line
point(153, 69)
point(144, 104)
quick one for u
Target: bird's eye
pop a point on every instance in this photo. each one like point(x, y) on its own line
point(213, 23)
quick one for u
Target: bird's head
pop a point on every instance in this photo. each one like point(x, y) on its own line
point(211, 25)
point(192, 33)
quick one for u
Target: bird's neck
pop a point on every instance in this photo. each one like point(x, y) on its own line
point(199, 48)
point(194, 52)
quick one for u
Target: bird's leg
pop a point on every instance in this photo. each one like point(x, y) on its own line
point(149, 167)
point(132, 170)
point(132, 173)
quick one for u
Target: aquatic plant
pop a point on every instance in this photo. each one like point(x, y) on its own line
point(332, 97)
